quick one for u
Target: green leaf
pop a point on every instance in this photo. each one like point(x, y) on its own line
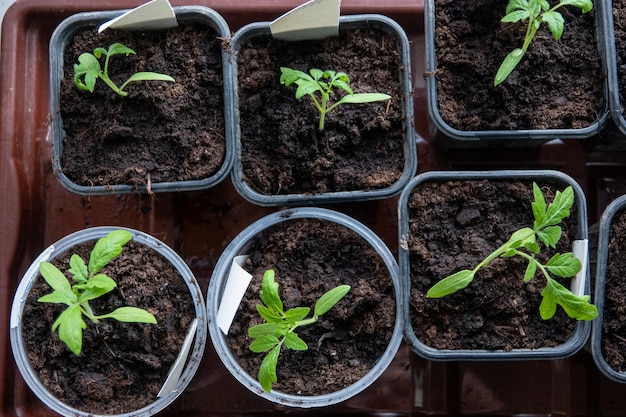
point(264, 343)
point(319, 74)
point(560, 207)
point(451, 284)
point(99, 52)
point(269, 292)
point(564, 265)
point(59, 297)
point(107, 248)
point(267, 371)
point(264, 329)
point(544, 5)
point(268, 314)
point(539, 206)
point(118, 48)
point(293, 342)
point(130, 315)
point(71, 325)
point(147, 76)
point(577, 307)
point(521, 237)
point(329, 299)
point(531, 269)
point(54, 277)
point(555, 23)
point(515, 16)
point(290, 76)
point(296, 314)
point(306, 88)
point(532, 247)
point(584, 5)
point(516, 4)
point(361, 98)
point(343, 84)
point(88, 67)
point(78, 269)
point(550, 236)
point(508, 65)
point(95, 287)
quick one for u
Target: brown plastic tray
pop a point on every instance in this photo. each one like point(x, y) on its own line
point(35, 211)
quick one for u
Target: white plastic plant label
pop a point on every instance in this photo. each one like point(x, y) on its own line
point(236, 285)
point(154, 15)
point(171, 383)
point(580, 248)
point(315, 19)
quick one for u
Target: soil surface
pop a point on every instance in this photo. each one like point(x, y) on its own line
point(122, 365)
point(557, 85)
point(454, 226)
point(619, 28)
point(614, 320)
point(311, 257)
point(361, 147)
point(161, 131)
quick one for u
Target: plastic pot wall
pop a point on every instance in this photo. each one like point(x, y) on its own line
point(239, 246)
point(63, 35)
point(581, 332)
point(383, 23)
point(66, 244)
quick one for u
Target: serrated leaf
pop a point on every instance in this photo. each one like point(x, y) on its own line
point(293, 342)
point(550, 235)
point(508, 65)
point(531, 270)
point(515, 16)
point(584, 5)
point(290, 76)
point(532, 247)
point(329, 299)
point(560, 207)
point(538, 206)
point(521, 237)
point(269, 292)
point(268, 314)
point(451, 284)
point(544, 4)
point(267, 371)
point(78, 268)
point(54, 277)
point(118, 48)
point(306, 88)
point(70, 324)
point(317, 74)
point(107, 248)
point(563, 265)
point(130, 315)
point(555, 23)
point(296, 314)
point(264, 343)
point(577, 307)
point(516, 4)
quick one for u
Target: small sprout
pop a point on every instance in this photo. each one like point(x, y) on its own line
point(279, 327)
point(89, 69)
point(524, 243)
point(536, 12)
point(89, 286)
point(314, 83)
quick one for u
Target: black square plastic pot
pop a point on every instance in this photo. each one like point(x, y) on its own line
point(346, 23)
point(579, 285)
point(62, 36)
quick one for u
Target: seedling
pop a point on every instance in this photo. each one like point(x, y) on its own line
point(319, 86)
point(279, 327)
point(524, 243)
point(89, 68)
point(89, 286)
point(535, 12)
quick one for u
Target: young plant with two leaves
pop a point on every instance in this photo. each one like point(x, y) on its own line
point(280, 326)
point(525, 244)
point(535, 12)
point(88, 285)
point(88, 70)
point(319, 87)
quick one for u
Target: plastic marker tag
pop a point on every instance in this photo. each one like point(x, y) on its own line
point(154, 15)
point(236, 286)
point(316, 19)
point(171, 383)
point(580, 248)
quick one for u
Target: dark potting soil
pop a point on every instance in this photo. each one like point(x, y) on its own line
point(161, 131)
point(122, 365)
point(619, 28)
point(557, 85)
point(614, 320)
point(311, 257)
point(361, 147)
point(455, 225)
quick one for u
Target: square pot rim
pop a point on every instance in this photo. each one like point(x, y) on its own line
point(62, 35)
point(518, 135)
point(583, 328)
point(410, 148)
